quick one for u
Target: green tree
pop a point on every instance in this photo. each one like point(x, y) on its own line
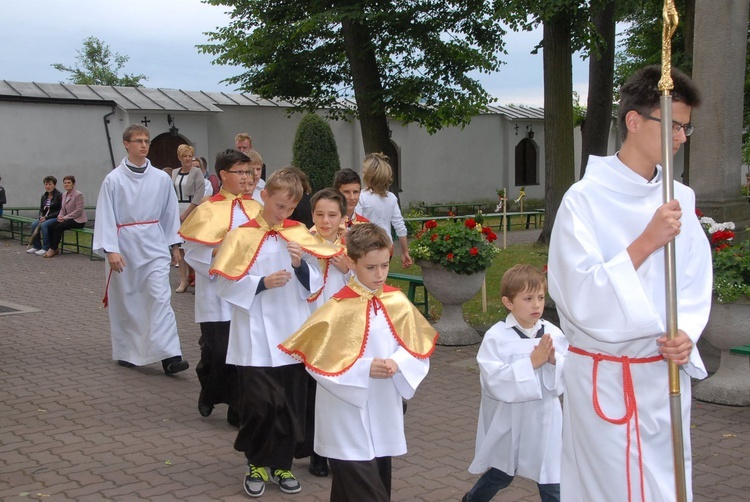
point(98, 65)
point(405, 59)
point(315, 151)
point(595, 128)
point(566, 28)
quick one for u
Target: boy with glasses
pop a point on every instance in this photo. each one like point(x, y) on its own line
point(607, 277)
point(203, 231)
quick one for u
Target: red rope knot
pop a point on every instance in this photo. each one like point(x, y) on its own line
point(631, 406)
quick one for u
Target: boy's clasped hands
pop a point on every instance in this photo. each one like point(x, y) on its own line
point(383, 368)
point(543, 353)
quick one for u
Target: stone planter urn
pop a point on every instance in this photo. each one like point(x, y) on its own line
point(728, 326)
point(452, 290)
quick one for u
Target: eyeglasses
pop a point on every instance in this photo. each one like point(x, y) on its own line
point(242, 173)
point(676, 126)
point(139, 141)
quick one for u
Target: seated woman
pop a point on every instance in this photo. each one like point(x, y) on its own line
point(49, 208)
point(71, 214)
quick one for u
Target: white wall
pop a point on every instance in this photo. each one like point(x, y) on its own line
point(38, 140)
point(452, 165)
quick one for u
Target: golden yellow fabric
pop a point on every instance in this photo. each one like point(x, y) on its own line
point(240, 247)
point(335, 335)
point(211, 220)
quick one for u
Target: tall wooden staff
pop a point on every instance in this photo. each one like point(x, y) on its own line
point(670, 18)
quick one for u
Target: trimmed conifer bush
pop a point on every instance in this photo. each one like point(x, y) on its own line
point(315, 151)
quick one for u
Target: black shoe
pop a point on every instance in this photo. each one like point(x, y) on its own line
point(125, 364)
point(318, 466)
point(233, 417)
point(205, 409)
point(176, 367)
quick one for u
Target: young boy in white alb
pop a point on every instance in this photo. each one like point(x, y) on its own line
point(368, 348)
point(520, 417)
point(266, 270)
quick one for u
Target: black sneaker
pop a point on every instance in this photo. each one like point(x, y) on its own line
point(205, 409)
point(286, 481)
point(125, 364)
point(255, 480)
point(176, 367)
point(318, 466)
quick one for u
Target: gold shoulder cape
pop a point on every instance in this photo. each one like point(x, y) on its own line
point(325, 264)
point(211, 220)
point(335, 335)
point(240, 247)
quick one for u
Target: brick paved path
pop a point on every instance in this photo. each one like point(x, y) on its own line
point(75, 426)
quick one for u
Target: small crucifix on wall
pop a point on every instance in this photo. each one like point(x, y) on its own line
point(145, 121)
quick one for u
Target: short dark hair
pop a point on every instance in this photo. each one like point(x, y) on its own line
point(329, 194)
point(52, 179)
point(133, 129)
point(228, 158)
point(346, 176)
point(71, 178)
point(364, 238)
point(641, 93)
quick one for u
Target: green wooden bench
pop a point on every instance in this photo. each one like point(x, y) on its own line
point(17, 225)
point(743, 350)
point(414, 282)
point(78, 244)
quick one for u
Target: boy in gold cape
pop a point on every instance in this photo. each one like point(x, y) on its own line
point(368, 348)
point(203, 231)
point(266, 270)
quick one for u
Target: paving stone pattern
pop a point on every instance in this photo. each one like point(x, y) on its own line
point(75, 426)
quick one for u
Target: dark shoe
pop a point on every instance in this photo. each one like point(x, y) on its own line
point(405, 406)
point(286, 481)
point(125, 364)
point(233, 417)
point(205, 409)
point(255, 480)
point(176, 367)
point(318, 466)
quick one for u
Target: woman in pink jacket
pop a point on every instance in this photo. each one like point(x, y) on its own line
point(71, 215)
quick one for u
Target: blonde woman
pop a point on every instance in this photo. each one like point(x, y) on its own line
point(379, 205)
point(189, 185)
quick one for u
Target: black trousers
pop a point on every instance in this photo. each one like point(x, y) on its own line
point(57, 232)
point(272, 412)
point(217, 378)
point(358, 481)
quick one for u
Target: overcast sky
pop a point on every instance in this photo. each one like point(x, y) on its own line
point(160, 37)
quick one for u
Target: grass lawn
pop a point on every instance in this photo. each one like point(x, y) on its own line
point(532, 254)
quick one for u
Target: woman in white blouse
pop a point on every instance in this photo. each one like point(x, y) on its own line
point(188, 183)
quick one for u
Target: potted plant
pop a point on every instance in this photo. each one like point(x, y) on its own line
point(727, 325)
point(454, 257)
point(731, 260)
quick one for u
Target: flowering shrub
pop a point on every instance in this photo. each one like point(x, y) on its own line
point(731, 260)
point(463, 247)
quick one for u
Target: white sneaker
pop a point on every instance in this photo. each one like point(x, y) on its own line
point(32, 250)
point(40, 252)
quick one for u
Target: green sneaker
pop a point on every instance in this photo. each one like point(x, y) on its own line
point(255, 480)
point(286, 481)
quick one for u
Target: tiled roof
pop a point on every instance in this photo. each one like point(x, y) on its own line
point(177, 100)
